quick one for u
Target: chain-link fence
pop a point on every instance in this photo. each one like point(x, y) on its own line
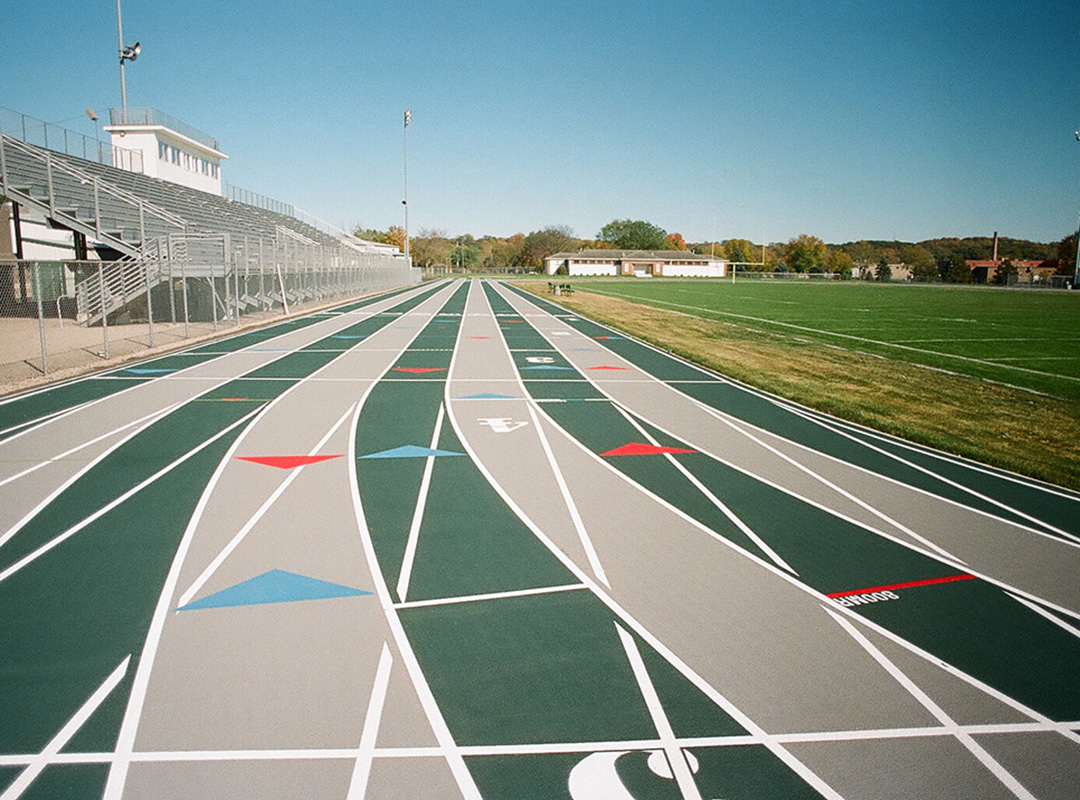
point(59, 318)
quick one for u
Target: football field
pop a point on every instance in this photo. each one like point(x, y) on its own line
point(1025, 338)
point(455, 541)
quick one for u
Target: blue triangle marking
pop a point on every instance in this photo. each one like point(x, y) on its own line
point(275, 586)
point(348, 336)
point(488, 396)
point(546, 366)
point(411, 451)
point(149, 370)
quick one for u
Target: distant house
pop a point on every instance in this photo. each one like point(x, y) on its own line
point(897, 272)
point(642, 263)
point(1028, 272)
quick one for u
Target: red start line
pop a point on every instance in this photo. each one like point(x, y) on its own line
point(909, 585)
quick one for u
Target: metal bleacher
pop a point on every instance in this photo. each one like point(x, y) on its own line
point(158, 227)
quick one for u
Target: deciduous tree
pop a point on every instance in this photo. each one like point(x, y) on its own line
point(806, 253)
point(540, 244)
point(919, 260)
point(741, 250)
point(626, 234)
point(675, 241)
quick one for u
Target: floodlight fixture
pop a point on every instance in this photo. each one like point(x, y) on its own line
point(91, 114)
point(130, 52)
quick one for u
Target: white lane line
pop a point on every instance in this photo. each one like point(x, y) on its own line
point(848, 336)
point(166, 756)
point(150, 419)
point(220, 558)
point(42, 419)
point(418, 514)
point(1044, 613)
point(125, 744)
point(571, 506)
point(1074, 539)
point(913, 648)
point(675, 757)
point(938, 712)
point(774, 747)
point(950, 458)
point(553, 464)
point(37, 765)
point(114, 374)
point(447, 746)
point(483, 598)
point(25, 560)
point(789, 405)
point(712, 498)
point(827, 483)
point(366, 751)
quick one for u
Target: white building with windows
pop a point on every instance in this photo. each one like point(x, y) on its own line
point(642, 263)
point(171, 150)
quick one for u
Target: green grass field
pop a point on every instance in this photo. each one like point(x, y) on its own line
point(1026, 339)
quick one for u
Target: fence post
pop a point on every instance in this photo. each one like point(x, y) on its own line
point(236, 283)
point(41, 318)
point(104, 311)
point(183, 284)
point(149, 301)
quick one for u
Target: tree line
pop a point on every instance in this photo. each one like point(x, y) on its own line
point(929, 260)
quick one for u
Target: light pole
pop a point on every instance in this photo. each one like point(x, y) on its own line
point(1076, 263)
point(405, 202)
point(126, 54)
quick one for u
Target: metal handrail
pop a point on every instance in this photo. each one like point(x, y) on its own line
point(63, 140)
point(151, 116)
point(87, 178)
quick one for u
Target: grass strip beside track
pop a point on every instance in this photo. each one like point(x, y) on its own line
point(989, 422)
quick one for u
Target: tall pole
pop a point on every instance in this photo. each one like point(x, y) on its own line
point(123, 86)
point(405, 202)
point(1076, 264)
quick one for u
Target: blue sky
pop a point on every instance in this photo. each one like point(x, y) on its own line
point(844, 119)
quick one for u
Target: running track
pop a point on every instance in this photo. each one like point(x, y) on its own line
point(454, 541)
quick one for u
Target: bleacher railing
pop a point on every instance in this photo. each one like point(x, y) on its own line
point(54, 137)
point(144, 115)
point(127, 207)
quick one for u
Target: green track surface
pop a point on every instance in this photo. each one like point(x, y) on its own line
point(1057, 509)
point(102, 584)
point(556, 655)
point(26, 408)
point(971, 624)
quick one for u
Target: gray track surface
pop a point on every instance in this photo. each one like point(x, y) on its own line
point(329, 699)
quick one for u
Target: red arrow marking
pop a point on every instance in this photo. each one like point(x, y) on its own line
point(286, 462)
point(608, 367)
point(909, 585)
point(639, 449)
point(420, 369)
